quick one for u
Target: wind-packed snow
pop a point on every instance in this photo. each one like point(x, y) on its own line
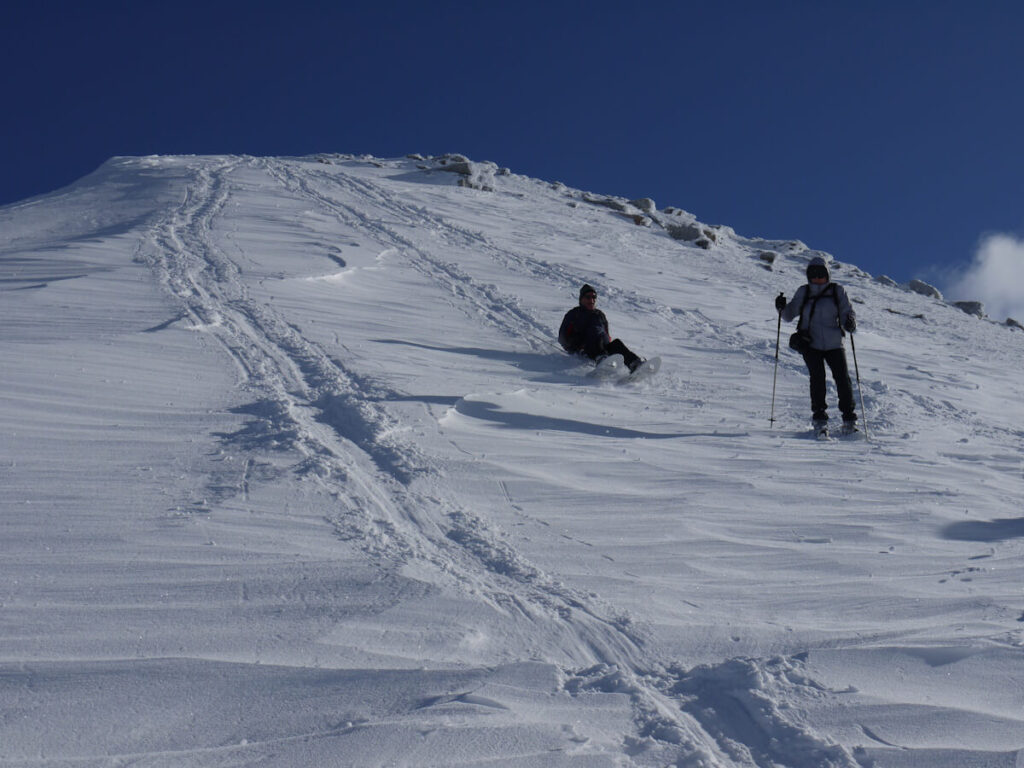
point(295, 474)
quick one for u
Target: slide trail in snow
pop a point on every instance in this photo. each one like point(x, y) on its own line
point(353, 451)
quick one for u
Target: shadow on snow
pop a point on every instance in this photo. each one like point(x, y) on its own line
point(527, 361)
point(985, 530)
point(479, 409)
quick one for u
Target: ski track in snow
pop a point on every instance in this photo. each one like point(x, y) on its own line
point(275, 358)
point(323, 408)
point(392, 497)
point(383, 513)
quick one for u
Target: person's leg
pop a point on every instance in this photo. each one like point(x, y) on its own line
point(836, 359)
point(616, 347)
point(815, 361)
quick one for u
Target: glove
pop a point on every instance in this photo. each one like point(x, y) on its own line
point(780, 302)
point(850, 325)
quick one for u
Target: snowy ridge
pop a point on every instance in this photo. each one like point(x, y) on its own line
point(327, 453)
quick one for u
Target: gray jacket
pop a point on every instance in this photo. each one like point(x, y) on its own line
point(826, 320)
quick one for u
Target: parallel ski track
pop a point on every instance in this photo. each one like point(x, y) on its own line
point(339, 429)
point(705, 331)
point(464, 527)
point(514, 261)
point(499, 310)
point(679, 720)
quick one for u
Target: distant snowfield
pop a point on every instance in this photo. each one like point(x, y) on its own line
point(295, 475)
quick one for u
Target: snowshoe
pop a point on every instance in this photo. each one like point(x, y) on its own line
point(608, 366)
point(643, 368)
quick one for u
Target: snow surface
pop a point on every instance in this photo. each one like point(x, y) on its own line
point(295, 475)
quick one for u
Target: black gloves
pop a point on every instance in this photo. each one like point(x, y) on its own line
point(780, 302)
point(850, 325)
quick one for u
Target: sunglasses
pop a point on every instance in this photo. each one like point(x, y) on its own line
point(590, 296)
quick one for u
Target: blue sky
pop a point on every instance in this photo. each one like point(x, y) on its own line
point(887, 133)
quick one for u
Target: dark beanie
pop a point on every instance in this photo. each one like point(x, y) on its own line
point(817, 267)
point(587, 288)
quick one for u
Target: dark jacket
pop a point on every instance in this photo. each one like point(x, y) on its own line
point(584, 330)
point(823, 319)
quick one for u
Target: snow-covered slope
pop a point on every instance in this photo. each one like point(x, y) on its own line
point(295, 474)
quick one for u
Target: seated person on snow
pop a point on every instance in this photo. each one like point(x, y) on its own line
point(585, 331)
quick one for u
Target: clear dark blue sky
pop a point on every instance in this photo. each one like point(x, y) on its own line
point(887, 133)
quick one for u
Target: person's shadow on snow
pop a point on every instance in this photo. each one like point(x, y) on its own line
point(533, 362)
point(485, 411)
point(986, 530)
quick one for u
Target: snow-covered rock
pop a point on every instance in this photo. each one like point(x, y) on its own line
point(975, 308)
point(923, 288)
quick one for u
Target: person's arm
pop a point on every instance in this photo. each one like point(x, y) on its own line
point(847, 315)
point(567, 332)
point(793, 308)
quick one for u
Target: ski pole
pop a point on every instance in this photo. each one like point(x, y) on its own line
point(860, 390)
point(775, 375)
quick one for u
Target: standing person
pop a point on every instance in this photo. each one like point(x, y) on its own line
point(585, 331)
point(825, 313)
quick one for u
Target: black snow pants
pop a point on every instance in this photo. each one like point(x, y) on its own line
point(597, 345)
point(836, 359)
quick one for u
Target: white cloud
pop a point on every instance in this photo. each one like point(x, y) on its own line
point(995, 278)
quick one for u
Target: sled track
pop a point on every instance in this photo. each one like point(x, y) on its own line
point(514, 261)
point(317, 184)
point(478, 300)
point(346, 442)
point(683, 723)
point(333, 422)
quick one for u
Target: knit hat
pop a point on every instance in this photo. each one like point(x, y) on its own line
point(587, 288)
point(816, 267)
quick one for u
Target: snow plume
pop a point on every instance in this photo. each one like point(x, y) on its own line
point(994, 277)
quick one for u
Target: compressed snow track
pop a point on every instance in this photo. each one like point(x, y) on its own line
point(336, 424)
